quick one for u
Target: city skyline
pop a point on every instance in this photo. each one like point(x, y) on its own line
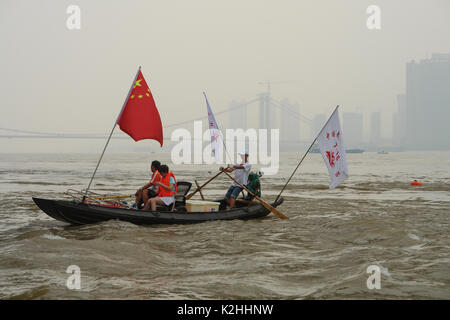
point(419, 122)
point(316, 54)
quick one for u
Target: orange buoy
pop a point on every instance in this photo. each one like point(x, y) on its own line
point(416, 183)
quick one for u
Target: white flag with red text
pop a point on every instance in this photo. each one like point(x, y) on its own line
point(216, 135)
point(331, 144)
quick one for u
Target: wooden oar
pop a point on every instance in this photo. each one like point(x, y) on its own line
point(199, 190)
point(201, 187)
point(265, 204)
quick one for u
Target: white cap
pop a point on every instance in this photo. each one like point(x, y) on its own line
point(244, 152)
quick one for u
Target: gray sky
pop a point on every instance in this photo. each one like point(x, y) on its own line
point(57, 80)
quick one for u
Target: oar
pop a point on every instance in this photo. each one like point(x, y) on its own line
point(201, 187)
point(198, 187)
point(265, 204)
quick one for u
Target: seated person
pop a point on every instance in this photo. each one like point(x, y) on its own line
point(149, 190)
point(167, 190)
point(254, 184)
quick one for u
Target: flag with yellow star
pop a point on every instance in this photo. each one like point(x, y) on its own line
point(139, 117)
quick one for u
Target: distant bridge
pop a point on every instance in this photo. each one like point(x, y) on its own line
point(101, 137)
point(264, 99)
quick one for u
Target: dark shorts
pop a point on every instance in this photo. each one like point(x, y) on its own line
point(151, 193)
point(233, 192)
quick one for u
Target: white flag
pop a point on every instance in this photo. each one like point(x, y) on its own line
point(216, 135)
point(331, 144)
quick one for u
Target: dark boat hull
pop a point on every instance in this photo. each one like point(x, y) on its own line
point(79, 214)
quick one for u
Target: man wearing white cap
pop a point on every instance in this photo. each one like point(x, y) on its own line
point(241, 172)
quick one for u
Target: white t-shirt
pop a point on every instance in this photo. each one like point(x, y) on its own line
point(241, 175)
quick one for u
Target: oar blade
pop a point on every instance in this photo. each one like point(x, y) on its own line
point(274, 210)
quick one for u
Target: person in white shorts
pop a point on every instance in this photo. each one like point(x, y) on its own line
point(167, 190)
point(241, 172)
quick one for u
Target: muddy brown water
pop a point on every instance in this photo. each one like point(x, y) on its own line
point(322, 252)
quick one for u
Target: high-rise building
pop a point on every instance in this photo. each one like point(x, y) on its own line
point(428, 103)
point(353, 129)
point(375, 128)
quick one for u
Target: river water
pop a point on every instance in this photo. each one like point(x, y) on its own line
point(322, 252)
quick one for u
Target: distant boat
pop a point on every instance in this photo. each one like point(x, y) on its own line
point(354, 151)
point(382, 152)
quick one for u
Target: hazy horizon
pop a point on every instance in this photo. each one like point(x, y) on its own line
point(75, 81)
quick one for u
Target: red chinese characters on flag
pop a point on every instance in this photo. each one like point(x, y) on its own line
point(330, 156)
point(332, 149)
point(139, 117)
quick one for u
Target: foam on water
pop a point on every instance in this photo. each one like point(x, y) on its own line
point(52, 237)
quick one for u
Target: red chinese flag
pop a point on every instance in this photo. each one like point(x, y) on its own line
point(139, 117)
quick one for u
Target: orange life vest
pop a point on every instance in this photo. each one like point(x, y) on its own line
point(166, 181)
point(156, 176)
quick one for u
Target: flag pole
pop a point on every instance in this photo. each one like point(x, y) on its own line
point(298, 165)
point(110, 135)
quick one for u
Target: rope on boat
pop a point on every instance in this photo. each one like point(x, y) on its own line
point(90, 197)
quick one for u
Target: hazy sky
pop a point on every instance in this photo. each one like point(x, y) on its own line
point(56, 80)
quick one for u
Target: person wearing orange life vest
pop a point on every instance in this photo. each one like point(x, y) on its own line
point(167, 190)
point(149, 190)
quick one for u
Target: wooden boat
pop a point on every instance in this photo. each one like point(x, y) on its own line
point(77, 213)
point(141, 120)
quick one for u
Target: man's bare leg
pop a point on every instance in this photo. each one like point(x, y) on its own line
point(156, 201)
point(148, 204)
point(152, 202)
point(145, 195)
point(232, 202)
point(138, 195)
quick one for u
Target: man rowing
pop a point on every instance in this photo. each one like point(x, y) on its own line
point(149, 190)
point(241, 172)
